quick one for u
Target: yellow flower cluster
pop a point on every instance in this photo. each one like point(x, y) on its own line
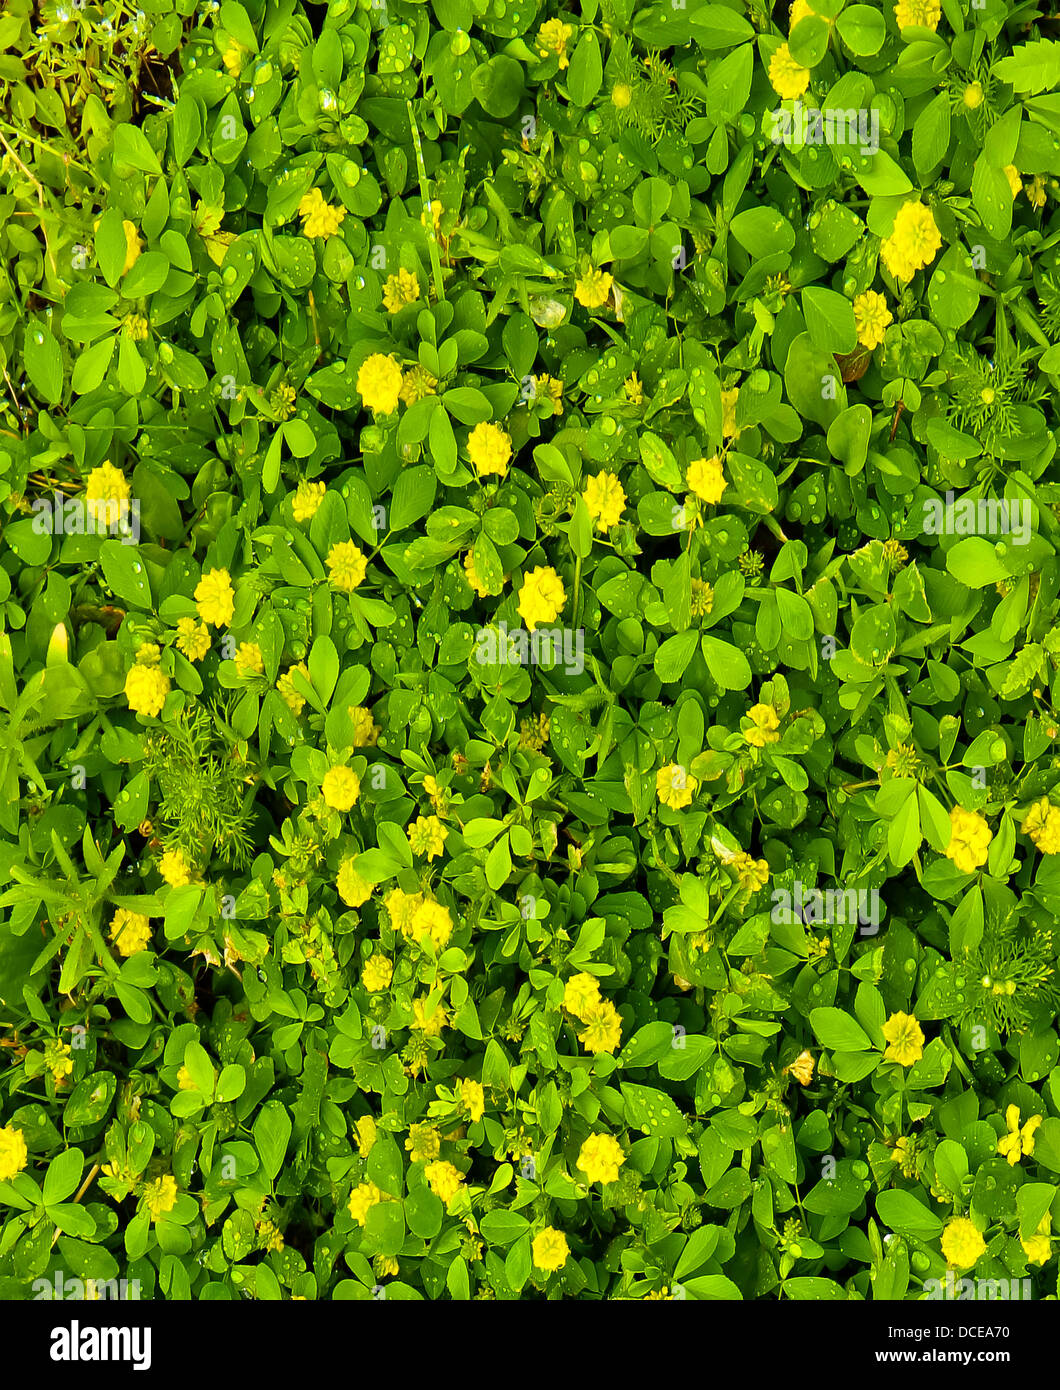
point(307, 500)
point(593, 289)
point(765, 724)
point(377, 974)
point(914, 241)
point(106, 489)
point(675, 786)
point(348, 565)
point(541, 598)
point(905, 1039)
point(175, 869)
point(215, 598)
point(160, 1196)
point(193, 638)
point(550, 1250)
point(379, 383)
point(600, 1158)
point(789, 78)
point(707, 479)
point(962, 1243)
point(970, 837)
point(1042, 824)
point(13, 1152)
point(353, 889)
point(340, 788)
point(603, 1026)
point(427, 836)
point(871, 317)
point(130, 931)
point(288, 694)
point(399, 290)
point(605, 499)
point(146, 688)
point(319, 218)
point(553, 37)
point(924, 14)
point(1018, 1143)
point(489, 449)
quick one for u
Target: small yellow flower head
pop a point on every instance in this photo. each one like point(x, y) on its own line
point(603, 1028)
point(136, 327)
point(600, 1158)
point(307, 500)
point(365, 1131)
point(1036, 193)
point(379, 383)
point(802, 1068)
point(621, 95)
point(435, 920)
point(675, 786)
point(751, 873)
point(1017, 1143)
point(353, 889)
point(914, 242)
point(146, 689)
point(133, 246)
point(444, 1180)
point(193, 639)
point(319, 218)
point(340, 788)
point(871, 317)
point(1014, 182)
point(248, 659)
point(424, 1143)
point(634, 389)
point(184, 1079)
point(282, 401)
point(58, 1060)
point(789, 78)
point(549, 388)
point(377, 974)
point(541, 598)
point(594, 288)
point(973, 95)
point(175, 869)
point(473, 1098)
point(1038, 1247)
point(581, 995)
point(799, 10)
point(550, 1250)
point(148, 654)
point(962, 1243)
point(416, 384)
point(553, 37)
point(362, 1199)
point(702, 598)
point(707, 479)
point(106, 490)
point(402, 908)
point(288, 694)
point(365, 730)
point(130, 931)
point(427, 836)
point(13, 1152)
point(764, 726)
point(489, 449)
point(436, 215)
point(430, 1027)
point(400, 289)
point(348, 565)
point(160, 1196)
point(905, 1040)
point(605, 499)
point(215, 598)
point(473, 577)
point(925, 14)
point(232, 57)
point(969, 838)
point(1042, 824)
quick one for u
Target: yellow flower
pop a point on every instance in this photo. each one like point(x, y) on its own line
point(434, 919)
point(365, 1131)
point(365, 730)
point(802, 1068)
point(702, 598)
point(973, 95)
point(799, 10)
point(362, 1199)
point(348, 565)
point(130, 931)
point(474, 1099)
point(914, 242)
point(136, 327)
point(429, 1027)
point(553, 37)
point(146, 689)
point(1016, 1144)
point(541, 598)
point(288, 694)
point(603, 1028)
point(58, 1060)
point(427, 836)
point(1038, 1247)
point(353, 889)
point(402, 908)
point(1042, 824)
point(675, 786)
point(871, 317)
point(184, 1079)
point(248, 659)
point(174, 868)
point(160, 1196)
point(634, 389)
point(751, 873)
point(444, 1180)
point(550, 1250)
point(13, 1152)
point(193, 638)
point(379, 383)
point(581, 995)
point(377, 974)
point(489, 449)
point(307, 500)
point(215, 598)
point(905, 1039)
point(436, 215)
point(340, 788)
point(549, 388)
point(424, 1143)
point(764, 725)
point(594, 288)
point(605, 499)
point(789, 78)
point(1013, 175)
point(416, 384)
point(319, 218)
point(962, 1244)
point(473, 577)
point(969, 837)
point(232, 57)
point(133, 246)
point(600, 1158)
point(400, 289)
point(925, 14)
point(707, 479)
point(106, 493)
